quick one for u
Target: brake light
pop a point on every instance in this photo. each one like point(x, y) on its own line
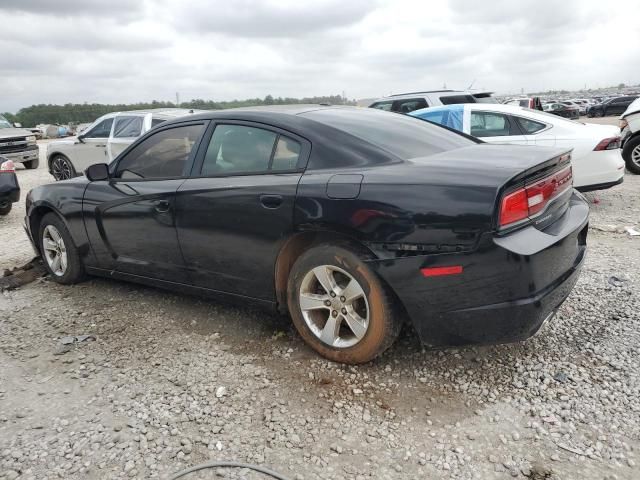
point(532, 199)
point(8, 166)
point(610, 143)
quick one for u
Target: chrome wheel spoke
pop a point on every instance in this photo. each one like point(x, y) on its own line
point(330, 332)
point(312, 301)
point(50, 245)
point(356, 324)
point(55, 264)
point(325, 278)
point(352, 291)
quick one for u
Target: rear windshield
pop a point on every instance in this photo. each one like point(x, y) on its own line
point(404, 136)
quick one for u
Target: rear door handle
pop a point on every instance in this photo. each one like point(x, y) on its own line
point(271, 201)
point(162, 206)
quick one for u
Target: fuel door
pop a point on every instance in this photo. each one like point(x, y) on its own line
point(344, 186)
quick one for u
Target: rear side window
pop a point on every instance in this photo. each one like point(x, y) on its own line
point(489, 124)
point(386, 106)
point(409, 105)
point(401, 135)
point(163, 154)
point(157, 121)
point(452, 99)
point(529, 126)
point(127, 127)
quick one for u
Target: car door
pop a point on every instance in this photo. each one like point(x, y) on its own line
point(126, 128)
point(91, 145)
point(235, 213)
point(130, 218)
point(495, 127)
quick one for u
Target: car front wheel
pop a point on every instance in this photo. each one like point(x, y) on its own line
point(631, 154)
point(59, 253)
point(62, 168)
point(340, 307)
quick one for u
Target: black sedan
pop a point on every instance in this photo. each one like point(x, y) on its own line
point(9, 186)
point(612, 106)
point(351, 220)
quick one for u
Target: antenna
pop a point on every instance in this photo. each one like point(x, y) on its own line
point(471, 84)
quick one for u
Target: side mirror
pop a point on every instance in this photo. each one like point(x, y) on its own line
point(96, 172)
point(17, 125)
point(80, 138)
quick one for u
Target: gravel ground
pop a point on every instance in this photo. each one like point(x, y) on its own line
point(172, 381)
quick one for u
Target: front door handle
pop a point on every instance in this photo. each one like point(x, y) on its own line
point(162, 206)
point(99, 145)
point(271, 201)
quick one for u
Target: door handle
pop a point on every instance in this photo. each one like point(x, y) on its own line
point(162, 206)
point(98, 145)
point(271, 201)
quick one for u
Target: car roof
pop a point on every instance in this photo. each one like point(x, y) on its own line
point(444, 93)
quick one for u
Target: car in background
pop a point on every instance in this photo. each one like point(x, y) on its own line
point(596, 160)
point(582, 109)
point(352, 220)
point(9, 186)
point(630, 134)
point(103, 140)
point(582, 104)
point(18, 144)
point(611, 106)
point(408, 102)
point(527, 102)
point(562, 110)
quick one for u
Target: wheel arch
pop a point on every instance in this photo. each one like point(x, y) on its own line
point(36, 215)
point(300, 242)
point(52, 155)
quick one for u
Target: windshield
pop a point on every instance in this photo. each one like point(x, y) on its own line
point(404, 136)
point(4, 123)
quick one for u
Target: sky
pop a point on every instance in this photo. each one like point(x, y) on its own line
point(122, 51)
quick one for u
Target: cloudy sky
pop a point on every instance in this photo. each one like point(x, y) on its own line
point(126, 51)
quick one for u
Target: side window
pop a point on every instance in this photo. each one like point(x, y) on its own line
point(488, 124)
point(386, 106)
point(101, 130)
point(454, 99)
point(529, 126)
point(406, 106)
point(164, 154)
point(286, 155)
point(128, 127)
point(157, 121)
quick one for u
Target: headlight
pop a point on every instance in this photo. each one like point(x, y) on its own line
point(31, 139)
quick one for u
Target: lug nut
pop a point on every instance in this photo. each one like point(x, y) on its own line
point(327, 303)
point(334, 313)
point(343, 299)
point(333, 294)
point(344, 311)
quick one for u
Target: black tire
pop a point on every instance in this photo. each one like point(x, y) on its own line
point(384, 316)
point(32, 165)
point(600, 113)
point(632, 146)
point(5, 209)
point(74, 271)
point(62, 168)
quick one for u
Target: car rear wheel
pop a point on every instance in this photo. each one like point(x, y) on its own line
point(340, 307)
point(32, 165)
point(62, 168)
point(60, 255)
point(631, 154)
point(5, 208)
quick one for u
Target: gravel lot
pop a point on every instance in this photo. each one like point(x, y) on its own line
point(172, 381)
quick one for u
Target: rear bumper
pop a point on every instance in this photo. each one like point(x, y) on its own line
point(509, 285)
point(9, 188)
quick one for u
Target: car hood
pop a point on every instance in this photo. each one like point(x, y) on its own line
point(14, 132)
point(63, 141)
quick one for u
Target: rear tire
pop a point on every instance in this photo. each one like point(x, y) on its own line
point(631, 155)
point(59, 254)
point(5, 209)
point(352, 321)
point(32, 165)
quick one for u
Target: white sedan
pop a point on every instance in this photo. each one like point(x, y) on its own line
point(596, 158)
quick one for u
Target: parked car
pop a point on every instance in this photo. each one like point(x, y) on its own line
point(9, 186)
point(630, 134)
point(582, 110)
point(18, 144)
point(612, 106)
point(103, 140)
point(408, 102)
point(527, 102)
point(582, 105)
point(345, 217)
point(562, 110)
point(597, 163)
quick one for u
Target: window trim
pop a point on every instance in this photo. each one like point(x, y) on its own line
point(113, 166)
point(303, 160)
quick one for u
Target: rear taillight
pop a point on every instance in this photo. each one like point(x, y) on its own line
point(610, 143)
point(8, 166)
point(532, 199)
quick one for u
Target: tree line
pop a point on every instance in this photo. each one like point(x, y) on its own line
point(88, 112)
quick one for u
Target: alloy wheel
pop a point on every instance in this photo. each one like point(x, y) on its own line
point(635, 155)
point(334, 306)
point(55, 251)
point(61, 169)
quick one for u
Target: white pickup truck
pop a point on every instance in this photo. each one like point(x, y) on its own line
point(104, 140)
point(18, 144)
